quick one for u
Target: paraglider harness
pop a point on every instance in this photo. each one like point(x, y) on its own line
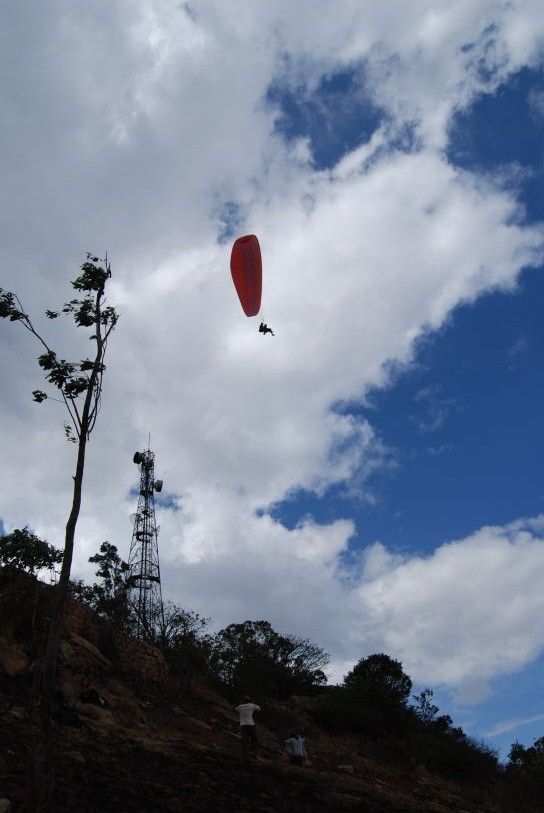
point(264, 329)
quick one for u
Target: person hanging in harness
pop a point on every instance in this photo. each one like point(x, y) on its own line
point(265, 329)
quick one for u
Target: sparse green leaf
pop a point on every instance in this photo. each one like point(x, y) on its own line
point(68, 431)
point(47, 360)
point(93, 278)
point(87, 365)
point(8, 310)
point(60, 374)
point(75, 387)
point(109, 316)
point(85, 316)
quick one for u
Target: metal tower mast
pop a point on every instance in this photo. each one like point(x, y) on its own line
point(145, 597)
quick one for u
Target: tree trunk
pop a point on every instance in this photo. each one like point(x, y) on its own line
point(44, 702)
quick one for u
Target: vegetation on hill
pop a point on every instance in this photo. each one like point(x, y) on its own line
point(374, 703)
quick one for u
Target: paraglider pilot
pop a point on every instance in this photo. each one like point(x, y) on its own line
point(265, 329)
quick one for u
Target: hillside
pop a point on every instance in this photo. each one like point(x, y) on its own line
point(144, 741)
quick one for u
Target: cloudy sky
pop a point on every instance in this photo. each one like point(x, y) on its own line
point(370, 478)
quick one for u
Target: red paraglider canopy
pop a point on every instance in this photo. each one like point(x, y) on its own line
point(247, 274)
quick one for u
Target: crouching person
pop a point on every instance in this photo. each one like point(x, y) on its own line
point(295, 749)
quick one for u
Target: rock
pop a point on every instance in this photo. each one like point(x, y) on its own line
point(233, 734)
point(92, 712)
point(13, 660)
point(5, 806)
point(345, 768)
point(90, 648)
point(215, 700)
point(94, 698)
point(193, 725)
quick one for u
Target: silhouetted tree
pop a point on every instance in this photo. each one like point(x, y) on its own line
point(371, 701)
point(108, 598)
point(380, 673)
point(528, 763)
point(424, 707)
point(23, 550)
point(182, 634)
point(521, 756)
point(252, 657)
point(79, 385)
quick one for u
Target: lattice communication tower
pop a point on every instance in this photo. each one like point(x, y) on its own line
point(145, 596)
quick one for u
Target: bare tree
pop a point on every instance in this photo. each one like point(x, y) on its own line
point(80, 387)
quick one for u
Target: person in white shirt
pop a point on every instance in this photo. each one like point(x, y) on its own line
point(248, 730)
point(295, 749)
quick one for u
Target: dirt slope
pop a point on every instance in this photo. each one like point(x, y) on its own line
point(154, 745)
point(159, 747)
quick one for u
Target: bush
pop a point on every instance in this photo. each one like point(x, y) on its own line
point(370, 713)
point(252, 657)
point(454, 757)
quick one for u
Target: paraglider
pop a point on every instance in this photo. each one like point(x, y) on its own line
point(247, 275)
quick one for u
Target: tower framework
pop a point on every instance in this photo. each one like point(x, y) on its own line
point(144, 578)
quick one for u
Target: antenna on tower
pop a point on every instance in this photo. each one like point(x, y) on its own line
point(144, 579)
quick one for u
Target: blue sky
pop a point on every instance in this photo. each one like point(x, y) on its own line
point(462, 421)
point(371, 478)
point(336, 115)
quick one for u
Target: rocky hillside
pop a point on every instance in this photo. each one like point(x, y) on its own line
point(132, 737)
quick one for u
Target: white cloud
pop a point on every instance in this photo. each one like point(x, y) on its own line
point(505, 726)
point(129, 127)
point(536, 103)
point(466, 613)
point(456, 619)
